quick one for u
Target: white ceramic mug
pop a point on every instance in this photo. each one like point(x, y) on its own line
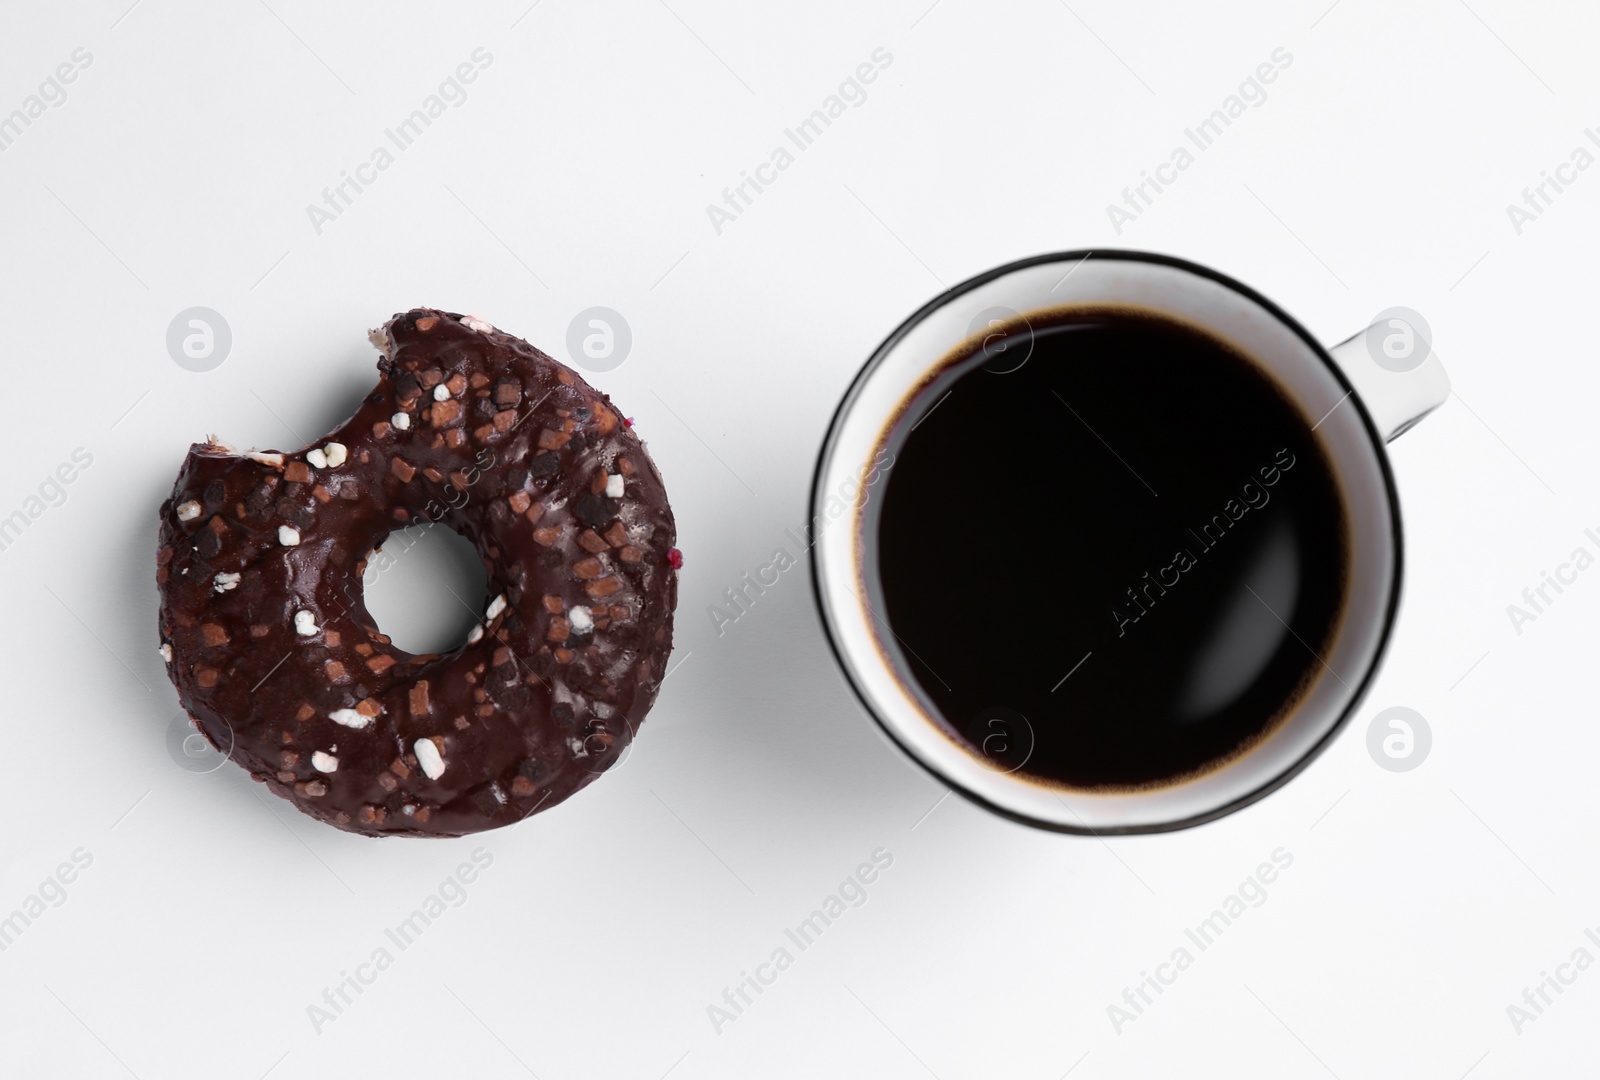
point(1361, 393)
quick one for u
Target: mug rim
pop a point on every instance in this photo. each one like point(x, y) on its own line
point(1396, 537)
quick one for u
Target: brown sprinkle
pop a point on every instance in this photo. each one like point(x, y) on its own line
point(590, 541)
point(403, 469)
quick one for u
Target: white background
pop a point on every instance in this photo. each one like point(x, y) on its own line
point(1377, 172)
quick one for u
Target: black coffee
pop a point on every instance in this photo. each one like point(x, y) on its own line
point(1117, 564)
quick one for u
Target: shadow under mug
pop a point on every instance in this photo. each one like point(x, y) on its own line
point(1357, 395)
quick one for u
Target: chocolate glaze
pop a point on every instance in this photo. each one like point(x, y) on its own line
point(516, 455)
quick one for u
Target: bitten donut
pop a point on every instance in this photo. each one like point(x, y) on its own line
point(279, 664)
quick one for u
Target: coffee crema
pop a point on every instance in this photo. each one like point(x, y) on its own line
point(1111, 551)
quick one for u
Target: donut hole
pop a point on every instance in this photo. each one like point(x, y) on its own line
point(426, 589)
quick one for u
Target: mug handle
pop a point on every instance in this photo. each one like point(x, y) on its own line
point(1381, 364)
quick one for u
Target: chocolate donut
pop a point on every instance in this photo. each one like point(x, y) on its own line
point(279, 664)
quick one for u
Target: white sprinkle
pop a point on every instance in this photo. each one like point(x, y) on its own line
point(349, 718)
point(317, 458)
point(475, 635)
point(336, 454)
point(614, 486)
point(441, 392)
point(225, 582)
point(379, 338)
point(497, 605)
point(189, 511)
point(401, 421)
point(577, 747)
point(275, 460)
point(472, 322)
point(324, 762)
point(578, 618)
point(305, 624)
point(428, 757)
point(288, 536)
point(166, 652)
